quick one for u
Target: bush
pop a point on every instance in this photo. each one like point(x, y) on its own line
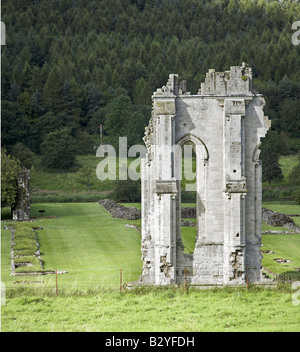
point(10, 169)
point(58, 151)
point(127, 191)
point(296, 196)
point(84, 143)
point(24, 155)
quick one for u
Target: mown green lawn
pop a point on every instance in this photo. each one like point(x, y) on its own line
point(84, 240)
point(289, 209)
point(284, 246)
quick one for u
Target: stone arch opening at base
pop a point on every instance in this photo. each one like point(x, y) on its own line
point(187, 196)
point(194, 172)
point(186, 147)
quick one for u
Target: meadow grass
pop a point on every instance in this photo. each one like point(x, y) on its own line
point(285, 189)
point(287, 164)
point(70, 186)
point(155, 310)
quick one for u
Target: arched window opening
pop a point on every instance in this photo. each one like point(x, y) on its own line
point(189, 197)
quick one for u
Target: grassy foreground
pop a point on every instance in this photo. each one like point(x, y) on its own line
point(155, 310)
point(85, 241)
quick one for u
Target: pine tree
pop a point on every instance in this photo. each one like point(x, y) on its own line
point(26, 76)
point(53, 91)
point(37, 105)
point(14, 91)
point(270, 165)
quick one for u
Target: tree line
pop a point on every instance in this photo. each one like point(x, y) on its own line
point(72, 65)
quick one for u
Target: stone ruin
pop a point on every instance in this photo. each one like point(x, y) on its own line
point(21, 208)
point(224, 124)
point(120, 211)
point(278, 219)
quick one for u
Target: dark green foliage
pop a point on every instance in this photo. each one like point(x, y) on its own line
point(124, 120)
point(84, 143)
point(270, 165)
point(66, 62)
point(10, 168)
point(127, 191)
point(24, 155)
point(270, 152)
point(58, 151)
point(14, 125)
point(295, 174)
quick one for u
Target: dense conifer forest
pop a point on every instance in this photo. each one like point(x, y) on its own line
point(69, 66)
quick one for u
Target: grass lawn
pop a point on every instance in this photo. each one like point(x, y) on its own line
point(84, 240)
point(285, 246)
point(161, 310)
point(289, 209)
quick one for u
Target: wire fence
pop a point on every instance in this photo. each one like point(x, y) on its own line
point(90, 280)
point(72, 280)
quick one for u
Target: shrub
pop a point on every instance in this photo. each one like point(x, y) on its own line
point(58, 151)
point(127, 191)
point(24, 155)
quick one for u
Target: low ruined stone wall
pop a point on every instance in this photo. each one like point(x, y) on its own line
point(120, 211)
point(188, 213)
point(132, 213)
point(278, 219)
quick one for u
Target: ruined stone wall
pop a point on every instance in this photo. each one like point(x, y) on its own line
point(224, 123)
point(21, 208)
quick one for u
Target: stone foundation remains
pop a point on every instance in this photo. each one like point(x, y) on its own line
point(278, 219)
point(120, 211)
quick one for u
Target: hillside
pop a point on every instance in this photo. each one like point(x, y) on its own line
point(72, 185)
point(73, 65)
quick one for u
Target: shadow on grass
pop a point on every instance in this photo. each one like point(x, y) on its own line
point(292, 275)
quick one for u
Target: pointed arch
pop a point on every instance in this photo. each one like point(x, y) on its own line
point(190, 138)
point(199, 186)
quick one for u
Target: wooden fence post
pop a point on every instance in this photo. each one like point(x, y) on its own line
point(56, 288)
point(121, 280)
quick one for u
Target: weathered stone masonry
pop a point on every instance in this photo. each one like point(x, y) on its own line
point(21, 208)
point(224, 123)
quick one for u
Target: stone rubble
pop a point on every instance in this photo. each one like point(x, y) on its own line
point(120, 211)
point(278, 219)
